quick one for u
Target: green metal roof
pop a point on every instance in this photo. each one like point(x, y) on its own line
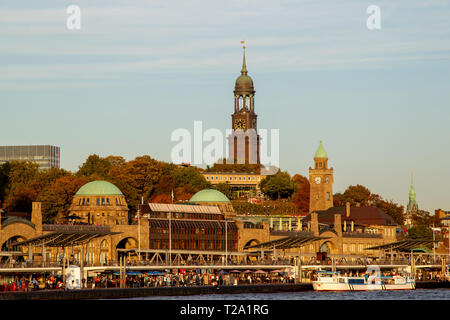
point(98, 188)
point(209, 195)
point(321, 153)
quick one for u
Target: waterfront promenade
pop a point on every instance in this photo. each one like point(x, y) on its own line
point(127, 293)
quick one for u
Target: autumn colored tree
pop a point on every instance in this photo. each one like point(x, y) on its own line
point(23, 197)
point(392, 209)
point(301, 196)
point(57, 197)
point(22, 187)
point(363, 196)
point(137, 178)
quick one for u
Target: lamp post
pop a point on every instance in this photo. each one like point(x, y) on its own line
point(170, 238)
point(226, 242)
point(139, 233)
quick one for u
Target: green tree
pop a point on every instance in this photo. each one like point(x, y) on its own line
point(4, 181)
point(420, 232)
point(424, 218)
point(224, 188)
point(278, 186)
point(95, 166)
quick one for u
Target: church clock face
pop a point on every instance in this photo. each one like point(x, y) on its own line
point(239, 124)
point(317, 180)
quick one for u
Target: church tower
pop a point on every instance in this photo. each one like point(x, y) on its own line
point(321, 182)
point(412, 207)
point(244, 141)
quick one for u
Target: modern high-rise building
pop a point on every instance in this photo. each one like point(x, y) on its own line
point(46, 156)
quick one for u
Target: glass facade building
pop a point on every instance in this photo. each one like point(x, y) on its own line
point(46, 156)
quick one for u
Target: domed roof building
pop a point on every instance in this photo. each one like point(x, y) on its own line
point(99, 188)
point(214, 197)
point(100, 202)
point(209, 195)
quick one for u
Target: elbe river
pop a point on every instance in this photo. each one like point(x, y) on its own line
point(418, 294)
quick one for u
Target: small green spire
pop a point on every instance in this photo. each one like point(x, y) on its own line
point(412, 192)
point(321, 153)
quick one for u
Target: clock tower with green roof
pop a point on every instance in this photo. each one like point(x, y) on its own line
point(321, 182)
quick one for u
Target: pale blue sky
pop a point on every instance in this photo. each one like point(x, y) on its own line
point(137, 70)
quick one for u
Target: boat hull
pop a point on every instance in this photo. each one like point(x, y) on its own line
point(361, 287)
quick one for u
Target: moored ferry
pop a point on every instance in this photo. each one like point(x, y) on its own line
point(334, 281)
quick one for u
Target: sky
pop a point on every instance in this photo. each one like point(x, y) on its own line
point(138, 70)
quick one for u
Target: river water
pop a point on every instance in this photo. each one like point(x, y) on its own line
point(418, 294)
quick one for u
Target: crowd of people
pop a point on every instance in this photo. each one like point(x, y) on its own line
point(138, 280)
point(190, 279)
point(170, 279)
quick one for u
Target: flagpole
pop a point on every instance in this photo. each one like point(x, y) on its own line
point(139, 229)
point(170, 235)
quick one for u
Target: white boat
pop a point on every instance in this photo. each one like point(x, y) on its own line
point(334, 281)
point(447, 273)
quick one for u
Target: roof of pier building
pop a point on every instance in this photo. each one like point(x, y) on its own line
point(364, 215)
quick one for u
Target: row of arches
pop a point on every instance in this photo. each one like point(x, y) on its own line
point(125, 243)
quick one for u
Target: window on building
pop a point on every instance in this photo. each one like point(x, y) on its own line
point(107, 201)
point(98, 201)
point(87, 201)
point(328, 196)
point(103, 201)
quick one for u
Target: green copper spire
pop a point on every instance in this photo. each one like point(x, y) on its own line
point(321, 153)
point(412, 203)
point(412, 193)
point(244, 66)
